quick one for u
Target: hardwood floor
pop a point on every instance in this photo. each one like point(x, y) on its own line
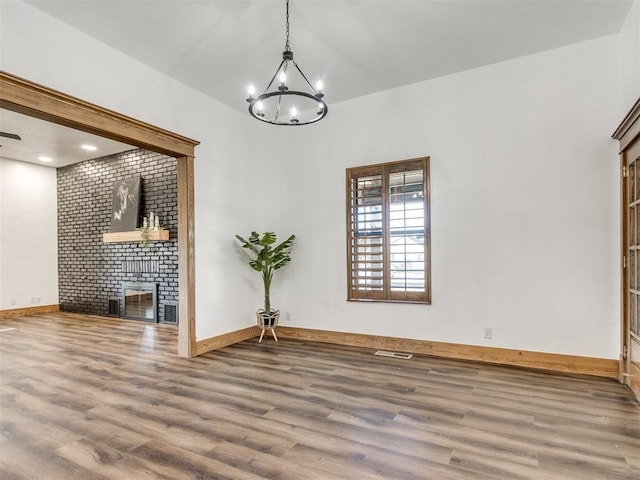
point(94, 398)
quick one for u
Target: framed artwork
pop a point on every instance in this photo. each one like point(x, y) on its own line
point(125, 209)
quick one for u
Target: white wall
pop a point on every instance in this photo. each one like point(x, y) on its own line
point(49, 52)
point(629, 58)
point(28, 235)
point(524, 204)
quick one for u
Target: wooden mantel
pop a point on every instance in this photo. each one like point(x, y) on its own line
point(135, 236)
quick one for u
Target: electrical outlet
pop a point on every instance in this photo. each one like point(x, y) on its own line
point(488, 333)
point(14, 302)
point(287, 316)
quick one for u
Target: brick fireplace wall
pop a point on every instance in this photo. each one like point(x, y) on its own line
point(92, 272)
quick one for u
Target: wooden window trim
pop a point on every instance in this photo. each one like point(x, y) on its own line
point(386, 294)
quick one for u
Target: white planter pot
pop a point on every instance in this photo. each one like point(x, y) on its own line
point(267, 320)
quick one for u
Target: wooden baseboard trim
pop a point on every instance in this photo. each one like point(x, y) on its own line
point(601, 367)
point(21, 312)
point(214, 343)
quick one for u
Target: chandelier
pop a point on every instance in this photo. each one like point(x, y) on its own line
point(294, 101)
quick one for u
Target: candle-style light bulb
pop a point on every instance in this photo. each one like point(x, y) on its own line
point(252, 91)
point(319, 86)
point(294, 115)
point(283, 82)
point(259, 107)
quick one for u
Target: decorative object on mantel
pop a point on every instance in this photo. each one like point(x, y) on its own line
point(126, 205)
point(149, 224)
point(295, 101)
point(267, 260)
point(144, 235)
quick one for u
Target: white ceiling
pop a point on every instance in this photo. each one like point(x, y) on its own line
point(356, 47)
point(44, 139)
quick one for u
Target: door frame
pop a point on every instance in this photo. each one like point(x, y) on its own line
point(628, 135)
point(28, 98)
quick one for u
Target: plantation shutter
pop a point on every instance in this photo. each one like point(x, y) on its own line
point(366, 234)
point(387, 230)
point(406, 234)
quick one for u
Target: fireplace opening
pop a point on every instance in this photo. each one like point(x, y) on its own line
point(139, 301)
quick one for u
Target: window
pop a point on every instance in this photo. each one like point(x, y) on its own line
point(388, 232)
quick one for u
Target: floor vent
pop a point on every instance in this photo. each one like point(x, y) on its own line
point(171, 314)
point(114, 307)
point(404, 356)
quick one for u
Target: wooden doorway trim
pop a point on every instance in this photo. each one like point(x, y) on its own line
point(628, 134)
point(23, 96)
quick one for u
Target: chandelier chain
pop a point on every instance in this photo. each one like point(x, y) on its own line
point(286, 45)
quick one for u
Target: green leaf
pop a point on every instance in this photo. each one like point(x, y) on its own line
point(254, 238)
point(268, 238)
point(247, 245)
point(281, 256)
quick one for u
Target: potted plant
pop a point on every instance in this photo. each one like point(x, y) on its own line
point(266, 259)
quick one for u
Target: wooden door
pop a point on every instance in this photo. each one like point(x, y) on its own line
point(631, 265)
point(629, 135)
